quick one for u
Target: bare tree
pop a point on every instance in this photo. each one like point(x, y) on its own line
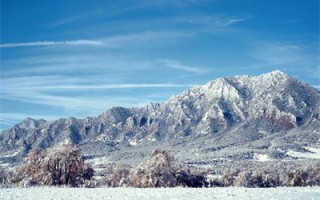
point(32, 171)
point(60, 165)
point(66, 165)
point(158, 171)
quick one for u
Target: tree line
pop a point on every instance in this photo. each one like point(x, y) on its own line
point(64, 165)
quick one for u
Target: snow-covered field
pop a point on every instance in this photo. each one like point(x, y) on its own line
point(305, 193)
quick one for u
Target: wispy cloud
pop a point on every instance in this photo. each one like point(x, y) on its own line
point(297, 58)
point(68, 20)
point(119, 41)
point(215, 21)
point(229, 21)
point(79, 104)
point(98, 87)
point(100, 10)
point(9, 119)
point(49, 82)
point(54, 43)
point(279, 53)
point(145, 38)
point(120, 8)
point(84, 63)
point(175, 64)
point(54, 91)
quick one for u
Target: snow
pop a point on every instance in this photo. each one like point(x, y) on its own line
point(9, 155)
point(313, 154)
point(161, 193)
point(314, 150)
point(152, 139)
point(261, 157)
point(133, 142)
point(98, 160)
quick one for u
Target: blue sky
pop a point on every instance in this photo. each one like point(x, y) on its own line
point(78, 58)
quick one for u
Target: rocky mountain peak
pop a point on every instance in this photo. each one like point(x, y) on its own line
point(273, 78)
point(227, 111)
point(31, 123)
point(277, 73)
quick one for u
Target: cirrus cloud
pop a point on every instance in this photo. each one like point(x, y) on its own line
point(53, 43)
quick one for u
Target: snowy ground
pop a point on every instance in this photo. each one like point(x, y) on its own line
point(313, 154)
point(305, 193)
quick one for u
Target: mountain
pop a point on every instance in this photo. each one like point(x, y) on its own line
point(235, 118)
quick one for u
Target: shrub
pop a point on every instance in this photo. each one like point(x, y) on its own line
point(228, 178)
point(117, 176)
point(243, 179)
point(33, 171)
point(270, 174)
point(298, 177)
point(3, 175)
point(66, 165)
point(187, 178)
point(263, 179)
point(314, 174)
point(61, 165)
point(216, 182)
point(158, 171)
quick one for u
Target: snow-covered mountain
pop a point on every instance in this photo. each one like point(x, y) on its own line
point(234, 117)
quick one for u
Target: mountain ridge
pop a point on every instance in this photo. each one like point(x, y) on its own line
point(231, 111)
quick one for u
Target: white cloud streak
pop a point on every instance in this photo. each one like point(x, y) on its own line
point(12, 118)
point(100, 64)
point(279, 53)
point(54, 43)
point(144, 39)
point(79, 105)
point(141, 39)
point(47, 91)
point(174, 64)
point(232, 21)
point(214, 21)
point(108, 86)
point(296, 57)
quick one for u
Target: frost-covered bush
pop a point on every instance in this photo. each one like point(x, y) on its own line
point(216, 182)
point(314, 174)
point(188, 178)
point(256, 178)
point(298, 178)
point(158, 171)
point(306, 176)
point(243, 179)
point(117, 176)
point(228, 178)
point(66, 166)
point(3, 175)
point(33, 170)
point(303, 174)
point(268, 174)
point(61, 165)
point(249, 177)
point(6, 176)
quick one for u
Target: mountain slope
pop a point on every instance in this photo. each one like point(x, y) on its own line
point(226, 117)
